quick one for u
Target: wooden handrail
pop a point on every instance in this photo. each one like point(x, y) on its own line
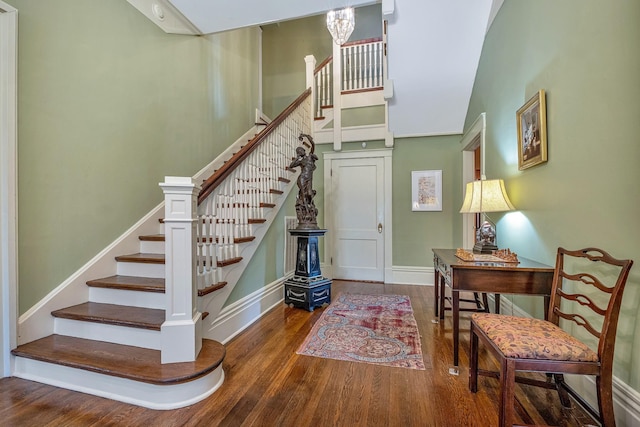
point(364, 41)
point(322, 64)
point(218, 176)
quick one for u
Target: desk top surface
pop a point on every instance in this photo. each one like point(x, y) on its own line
point(448, 256)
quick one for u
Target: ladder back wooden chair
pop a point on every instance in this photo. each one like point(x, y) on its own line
point(585, 299)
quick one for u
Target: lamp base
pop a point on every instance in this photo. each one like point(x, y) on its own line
point(485, 238)
point(484, 248)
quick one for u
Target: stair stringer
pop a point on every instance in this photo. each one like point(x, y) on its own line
point(214, 302)
point(37, 322)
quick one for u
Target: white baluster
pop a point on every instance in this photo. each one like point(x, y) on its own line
point(369, 65)
point(346, 75)
point(376, 64)
point(213, 243)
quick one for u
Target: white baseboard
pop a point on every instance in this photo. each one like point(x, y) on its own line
point(403, 275)
point(626, 400)
point(238, 316)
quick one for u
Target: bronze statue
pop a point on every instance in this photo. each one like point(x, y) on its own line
point(306, 210)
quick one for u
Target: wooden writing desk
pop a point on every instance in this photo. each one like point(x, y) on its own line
point(527, 277)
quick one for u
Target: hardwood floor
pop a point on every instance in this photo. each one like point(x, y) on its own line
point(268, 384)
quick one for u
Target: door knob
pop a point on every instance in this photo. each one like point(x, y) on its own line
point(379, 227)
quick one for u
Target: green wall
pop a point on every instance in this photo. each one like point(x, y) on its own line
point(584, 54)
point(416, 233)
point(109, 104)
point(284, 47)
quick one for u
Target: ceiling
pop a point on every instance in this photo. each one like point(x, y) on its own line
point(433, 47)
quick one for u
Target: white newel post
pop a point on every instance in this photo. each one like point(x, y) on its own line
point(310, 62)
point(181, 330)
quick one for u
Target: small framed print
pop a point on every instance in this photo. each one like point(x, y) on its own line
point(532, 132)
point(426, 190)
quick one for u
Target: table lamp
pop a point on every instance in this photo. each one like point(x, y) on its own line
point(487, 195)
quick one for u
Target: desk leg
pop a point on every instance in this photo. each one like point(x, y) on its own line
point(455, 296)
point(497, 301)
point(436, 293)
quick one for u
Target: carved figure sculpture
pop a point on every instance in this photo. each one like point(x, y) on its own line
point(306, 210)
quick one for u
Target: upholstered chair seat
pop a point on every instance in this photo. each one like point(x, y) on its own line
point(528, 338)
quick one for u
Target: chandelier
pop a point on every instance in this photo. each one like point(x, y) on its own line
point(340, 24)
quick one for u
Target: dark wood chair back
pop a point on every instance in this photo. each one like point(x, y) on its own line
point(589, 296)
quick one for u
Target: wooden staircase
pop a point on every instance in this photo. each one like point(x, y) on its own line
point(113, 343)
point(116, 336)
point(117, 332)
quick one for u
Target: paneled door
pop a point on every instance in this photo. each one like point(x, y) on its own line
point(357, 218)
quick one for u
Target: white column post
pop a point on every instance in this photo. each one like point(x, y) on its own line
point(337, 101)
point(181, 331)
point(310, 62)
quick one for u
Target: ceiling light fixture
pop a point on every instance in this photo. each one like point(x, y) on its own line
point(340, 24)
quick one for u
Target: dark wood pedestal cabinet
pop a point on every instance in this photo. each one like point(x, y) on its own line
point(307, 288)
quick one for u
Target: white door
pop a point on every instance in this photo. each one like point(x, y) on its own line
point(358, 218)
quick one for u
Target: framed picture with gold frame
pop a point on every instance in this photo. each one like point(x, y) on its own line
point(531, 120)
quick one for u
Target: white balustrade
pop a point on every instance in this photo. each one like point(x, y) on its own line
point(323, 87)
point(224, 215)
point(362, 69)
point(362, 66)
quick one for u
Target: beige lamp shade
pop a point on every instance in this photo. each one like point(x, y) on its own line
point(486, 196)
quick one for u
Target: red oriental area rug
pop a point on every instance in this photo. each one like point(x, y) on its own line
point(377, 329)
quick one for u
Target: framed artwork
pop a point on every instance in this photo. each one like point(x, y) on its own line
point(426, 190)
point(531, 120)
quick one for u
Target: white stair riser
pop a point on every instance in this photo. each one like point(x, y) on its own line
point(124, 297)
point(147, 247)
point(144, 338)
point(162, 397)
point(140, 269)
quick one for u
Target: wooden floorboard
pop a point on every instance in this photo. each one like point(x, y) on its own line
point(268, 384)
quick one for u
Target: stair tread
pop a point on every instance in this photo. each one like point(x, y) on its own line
point(131, 283)
point(152, 238)
point(112, 314)
point(134, 363)
point(142, 257)
point(229, 261)
point(210, 289)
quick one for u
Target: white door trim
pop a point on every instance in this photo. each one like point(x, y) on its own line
point(386, 155)
point(472, 139)
point(8, 185)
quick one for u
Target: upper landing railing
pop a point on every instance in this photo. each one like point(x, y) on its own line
point(361, 70)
